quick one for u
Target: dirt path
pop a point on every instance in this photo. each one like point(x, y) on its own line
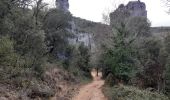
point(92, 91)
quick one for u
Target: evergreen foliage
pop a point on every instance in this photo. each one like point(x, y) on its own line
point(120, 57)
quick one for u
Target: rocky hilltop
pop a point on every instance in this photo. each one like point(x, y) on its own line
point(132, 9)
point(62, 4)
point(94, 34)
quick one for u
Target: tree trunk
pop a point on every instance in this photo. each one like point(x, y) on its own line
point(97, 69)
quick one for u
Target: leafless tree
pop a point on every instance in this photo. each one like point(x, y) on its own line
point(23, 3)
point(167, 4)
point(106, 18)
point(39, 5)
point(107, 11)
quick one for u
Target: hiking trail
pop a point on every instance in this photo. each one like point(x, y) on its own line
point(93, 90)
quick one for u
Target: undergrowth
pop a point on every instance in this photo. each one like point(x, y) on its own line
point(131, 93)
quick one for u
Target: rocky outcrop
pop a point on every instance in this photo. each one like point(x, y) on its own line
point(93, 34)
point(132, 9)
point(137, 8)
point(96, 33)
point(62, 5)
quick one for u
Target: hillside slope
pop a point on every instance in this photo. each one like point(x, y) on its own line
point(56, 84)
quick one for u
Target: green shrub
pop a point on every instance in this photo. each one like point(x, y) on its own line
point(8, 58)
point(7, 54)
point(14, 66)
point(120, 57)
point(131, 93)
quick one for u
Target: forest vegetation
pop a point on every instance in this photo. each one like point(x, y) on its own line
point(36, 55)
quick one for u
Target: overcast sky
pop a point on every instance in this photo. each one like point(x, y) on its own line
point(93, 9)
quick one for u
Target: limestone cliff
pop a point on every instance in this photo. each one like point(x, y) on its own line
point(132, 9)
point(62, 5)
point(94, 34)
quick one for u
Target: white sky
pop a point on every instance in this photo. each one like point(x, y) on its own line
point(93, 9)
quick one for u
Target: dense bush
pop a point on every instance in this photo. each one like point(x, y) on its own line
point(22, 47)
point(78, 58)
point(8, 59)
point(83, 58)
point(167, 72)
point(131, 93)
point(7, 53)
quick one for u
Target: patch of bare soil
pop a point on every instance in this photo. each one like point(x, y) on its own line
point(92, 91)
